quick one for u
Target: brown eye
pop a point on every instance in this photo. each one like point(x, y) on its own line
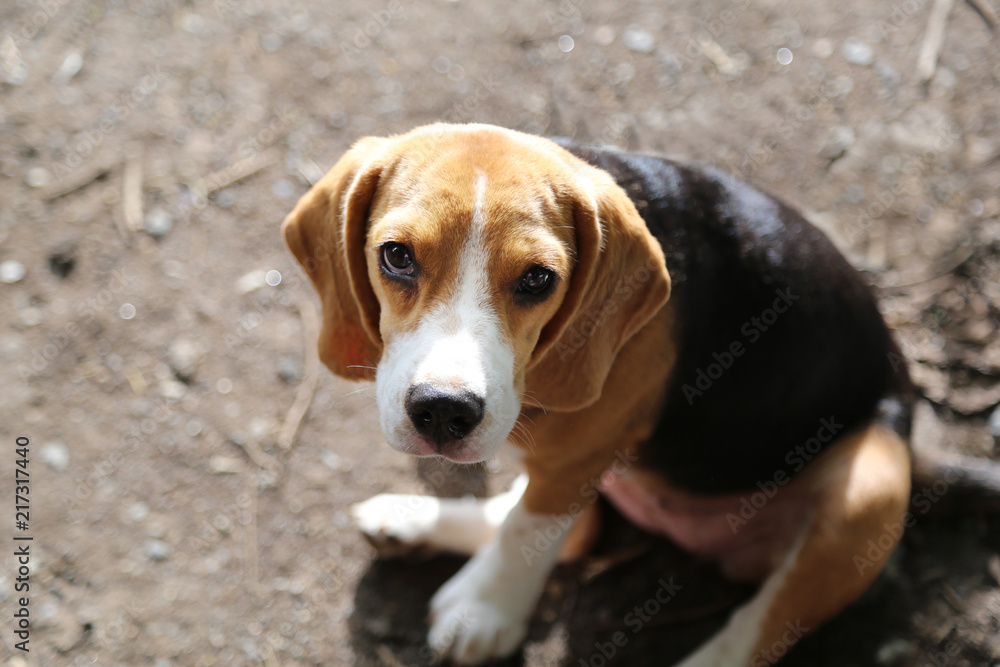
point(535, 284)
point(397, 259)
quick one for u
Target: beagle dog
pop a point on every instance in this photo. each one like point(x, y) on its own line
point(663, 335)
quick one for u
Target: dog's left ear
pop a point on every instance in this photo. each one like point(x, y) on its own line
point(618, 283)
point(326, 232)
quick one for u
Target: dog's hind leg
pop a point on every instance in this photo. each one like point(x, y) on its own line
point(861, 486)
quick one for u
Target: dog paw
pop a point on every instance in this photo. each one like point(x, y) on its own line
point(471, 631)
point(480, 614)
point(398, 524)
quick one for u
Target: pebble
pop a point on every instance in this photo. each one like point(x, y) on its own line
point(994, 423)
point(56, 455)
point(138, 511)
point(251, 281)
point(11, 271)
point(289, 369)
point(157, 549)
point(184, 356)
point(158, 223)
point(172, 390)
point(71, 66)
point(37, 177)
point(838, 142)
point(857, 52)
point(637, 39)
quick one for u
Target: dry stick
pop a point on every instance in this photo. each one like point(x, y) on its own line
point(252, 552)
point(933, 39)
point(79, 179)
point(236, 172)
point(304, 397)
point(257, 455)
point(985, 9)
point(132, 189)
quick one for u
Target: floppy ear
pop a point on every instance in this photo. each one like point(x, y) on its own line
point(326, 232)
point(618, 283)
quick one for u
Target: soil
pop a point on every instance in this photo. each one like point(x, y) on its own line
point(150, 150)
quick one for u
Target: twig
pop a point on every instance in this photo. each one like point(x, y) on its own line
point(132, 189)
point(717, 55)
point(78, 179)
point(933, 39)
point(257, 455)
point(252, 554)
point(235, 172)
point(304, 397)
point(945, 270)
point(985, 9)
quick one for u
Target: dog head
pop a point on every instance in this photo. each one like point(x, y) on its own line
point(468, 269)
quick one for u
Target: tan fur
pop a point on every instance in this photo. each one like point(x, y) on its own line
point(862, 488)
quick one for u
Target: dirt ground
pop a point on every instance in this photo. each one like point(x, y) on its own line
point(149, 151)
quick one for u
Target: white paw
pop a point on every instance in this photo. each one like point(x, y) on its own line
point(477, 615)
point(471, 631)
point(398, 524)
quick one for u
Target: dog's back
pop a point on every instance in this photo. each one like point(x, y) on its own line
point(782, 346)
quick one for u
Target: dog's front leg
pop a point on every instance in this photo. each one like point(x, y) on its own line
point(482, 612)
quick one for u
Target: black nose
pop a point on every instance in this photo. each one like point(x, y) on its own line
point(443, 415)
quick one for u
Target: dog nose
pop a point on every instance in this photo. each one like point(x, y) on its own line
point(443, 415)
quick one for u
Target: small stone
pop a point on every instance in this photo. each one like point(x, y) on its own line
point(857, 52)
point(638, 39)
point(225, 465)
point(158, 223)
point(331, 460)
point(157, 549)
point(138, 511)
point(994, 423)
point(71, 66)
point(289, 369)
point(172, 390)
point(604, 35)
point(11, 271)
point(838, 142)
point(56, 455)
point(251, 280)
point(184, 356)
point(37, 177)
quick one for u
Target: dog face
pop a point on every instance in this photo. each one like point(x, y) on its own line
point(454, 262)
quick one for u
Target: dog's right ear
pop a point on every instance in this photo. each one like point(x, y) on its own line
point(326, 232)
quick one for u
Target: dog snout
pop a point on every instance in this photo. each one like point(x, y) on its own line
point(443, 415)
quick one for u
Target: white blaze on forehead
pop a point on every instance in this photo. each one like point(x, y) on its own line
point(459, 345)
point(467, 343)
